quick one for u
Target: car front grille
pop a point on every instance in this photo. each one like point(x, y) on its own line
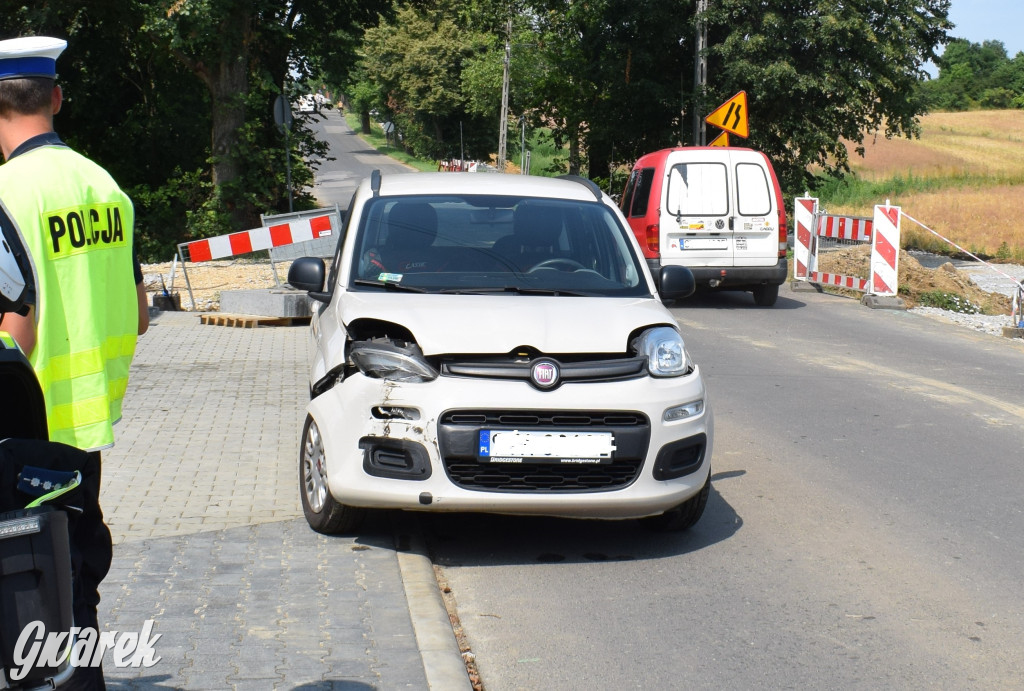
point(458, 437)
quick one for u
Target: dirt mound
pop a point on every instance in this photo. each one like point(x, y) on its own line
point(917, 284)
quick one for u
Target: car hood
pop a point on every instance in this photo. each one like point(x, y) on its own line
point(486, 324)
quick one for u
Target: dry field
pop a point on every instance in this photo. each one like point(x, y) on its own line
point(975, 163)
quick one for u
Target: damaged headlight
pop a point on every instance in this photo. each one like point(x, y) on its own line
point(666, 353)
point(382, 360)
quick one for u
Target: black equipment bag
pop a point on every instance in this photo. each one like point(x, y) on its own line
point(52, 558)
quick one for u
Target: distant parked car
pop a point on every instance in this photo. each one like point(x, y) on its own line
point(307, 104)
point(496, 343)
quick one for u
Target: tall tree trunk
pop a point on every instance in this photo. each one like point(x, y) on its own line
point(228, 84)
point(574, 149)
point(364, 119)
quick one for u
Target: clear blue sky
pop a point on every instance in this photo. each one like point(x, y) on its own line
point(989, 20)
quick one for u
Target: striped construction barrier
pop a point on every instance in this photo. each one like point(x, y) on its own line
point(884, 251)
point(265, 238)
point(804, 212)
point(845, 228)
point(277, 232)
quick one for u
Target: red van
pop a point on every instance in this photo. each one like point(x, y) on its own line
point(715, 210)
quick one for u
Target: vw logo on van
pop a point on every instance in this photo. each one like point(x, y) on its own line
point(544, 374)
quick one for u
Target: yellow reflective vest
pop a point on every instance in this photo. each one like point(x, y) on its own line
point(77, 225)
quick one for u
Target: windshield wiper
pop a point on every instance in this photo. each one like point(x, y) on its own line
point(519, 290)
point(388, 286)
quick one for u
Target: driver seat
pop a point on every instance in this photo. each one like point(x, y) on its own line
point(536, 228)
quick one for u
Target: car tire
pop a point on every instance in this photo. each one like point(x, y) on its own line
point(323, 513)
point(681, 517)
point(766, 295)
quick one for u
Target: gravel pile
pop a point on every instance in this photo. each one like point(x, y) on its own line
point(984, 277)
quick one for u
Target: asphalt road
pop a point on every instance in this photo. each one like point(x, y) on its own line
point(351, 159)
point(865, 528)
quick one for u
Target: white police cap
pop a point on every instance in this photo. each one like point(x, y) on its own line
point(30, 56)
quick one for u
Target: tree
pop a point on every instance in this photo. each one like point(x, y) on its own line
point(822, 71)
point(975, 75)
point(417, 61)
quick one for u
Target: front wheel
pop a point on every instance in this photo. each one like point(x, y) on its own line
point(323, 513)
point(681, 517)
point(766, 295)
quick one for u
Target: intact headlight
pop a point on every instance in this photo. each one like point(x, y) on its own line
point(666, 352)
point(391, 362)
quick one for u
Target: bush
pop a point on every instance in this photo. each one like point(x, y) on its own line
point(949, 302)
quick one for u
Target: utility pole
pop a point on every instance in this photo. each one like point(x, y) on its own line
point(503, 133)
point(700, 74)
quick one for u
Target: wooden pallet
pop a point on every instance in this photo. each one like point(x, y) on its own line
point(250, 321)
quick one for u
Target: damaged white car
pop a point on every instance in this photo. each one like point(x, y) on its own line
point(496, 343)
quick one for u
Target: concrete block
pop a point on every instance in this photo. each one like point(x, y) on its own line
point(167, 303)
point(274, 302)
point(1013, 332)
point(879, 302)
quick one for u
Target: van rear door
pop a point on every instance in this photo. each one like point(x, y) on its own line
point(696, 209)
point(756, 221)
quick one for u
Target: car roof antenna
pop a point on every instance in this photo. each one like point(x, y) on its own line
point(375, 183)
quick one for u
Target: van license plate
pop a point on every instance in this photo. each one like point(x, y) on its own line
point(705, 243)
point(513, 446)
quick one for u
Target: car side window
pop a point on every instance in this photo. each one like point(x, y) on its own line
point(643, 192)
point(627, 194)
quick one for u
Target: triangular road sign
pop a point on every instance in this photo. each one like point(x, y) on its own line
point(731, 116)
point(721, 140)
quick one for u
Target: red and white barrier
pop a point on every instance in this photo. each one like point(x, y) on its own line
point(884, 246)
point(246, 241)
point(805, 210)
point(845, 228)
point(885, 251)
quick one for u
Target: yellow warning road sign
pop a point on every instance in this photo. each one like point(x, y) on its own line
point(721, 140)
point(731, 116)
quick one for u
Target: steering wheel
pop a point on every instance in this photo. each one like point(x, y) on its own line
point(569, 264)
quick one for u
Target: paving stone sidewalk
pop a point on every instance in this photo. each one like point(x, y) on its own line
point(201, 495)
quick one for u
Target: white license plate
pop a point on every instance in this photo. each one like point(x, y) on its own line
point(705, 243)
point(513, 446)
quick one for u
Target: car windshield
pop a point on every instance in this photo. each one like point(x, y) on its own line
point(494, 244)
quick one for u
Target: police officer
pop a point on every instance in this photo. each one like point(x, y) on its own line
point(87, 304)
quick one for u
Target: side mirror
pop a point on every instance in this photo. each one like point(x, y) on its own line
point(676, 282)
point(309, 274)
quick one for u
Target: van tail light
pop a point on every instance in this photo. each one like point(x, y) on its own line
point(783, 234)
point(653, 237)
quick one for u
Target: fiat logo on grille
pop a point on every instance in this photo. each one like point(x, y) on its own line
point(544, 374)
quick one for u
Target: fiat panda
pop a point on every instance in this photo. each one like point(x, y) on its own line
point(496, 343)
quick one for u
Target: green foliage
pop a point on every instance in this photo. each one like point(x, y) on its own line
point(975, 75)
point(816, 77)
point(174, 98)
point(948, 301)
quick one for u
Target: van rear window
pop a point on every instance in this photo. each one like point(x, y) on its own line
point(753, 190)
point(697, 189)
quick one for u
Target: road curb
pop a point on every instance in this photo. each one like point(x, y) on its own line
point(442, 660)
